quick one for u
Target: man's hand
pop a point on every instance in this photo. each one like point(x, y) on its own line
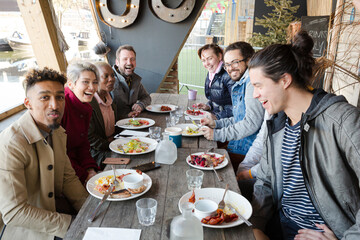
point(203, 106)
point(308, 234)
point(207, 122)
point(136, 108)
point(208, 133)
point(243, 175)
point(260, 235)
point(133, 114)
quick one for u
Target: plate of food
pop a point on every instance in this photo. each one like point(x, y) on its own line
point(161, 108)
point(195, 114)
point(205, 161)
point(238, 202)
point(99, 184)
point(133, 145)
point(135, 123)
point(189, 130)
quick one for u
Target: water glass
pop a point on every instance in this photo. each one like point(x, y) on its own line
point(170, 121)
point(180, 112)
point(175, 117)
point(146, 211)
point(155, 133)
point(194, 178)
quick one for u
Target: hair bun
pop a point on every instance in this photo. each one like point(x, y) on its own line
point(303, 43)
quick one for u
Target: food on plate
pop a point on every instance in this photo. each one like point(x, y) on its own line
point(206, 160)
point(190, 131)
point(134, 146)
point(192, 197)
point(165, 108)
point(121, 194)
point(137, 190)
point(194, 112)
point(103, 183)
point(219, 218)
point(137, 122)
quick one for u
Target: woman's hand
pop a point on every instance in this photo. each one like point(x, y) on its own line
point(308, 234)
point(133, 114)
point(91, 173)
point(203, 106)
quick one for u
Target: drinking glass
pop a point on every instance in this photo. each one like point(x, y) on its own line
point(155, 133)
point(146, 211)
point(175, 117)
point(179, 112)
point(170, 121)
point(194, 178)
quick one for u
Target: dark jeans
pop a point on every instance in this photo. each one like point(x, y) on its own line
point(247, 188)
point(289, 228)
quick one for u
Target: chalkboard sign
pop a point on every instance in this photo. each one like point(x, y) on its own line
point(317, 27)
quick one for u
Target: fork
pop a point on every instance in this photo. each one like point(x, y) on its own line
point(116, 182)
point(221, 204)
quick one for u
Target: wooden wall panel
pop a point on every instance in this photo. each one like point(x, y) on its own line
point(319, 7)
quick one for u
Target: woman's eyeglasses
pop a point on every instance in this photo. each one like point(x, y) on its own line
point(233, 64)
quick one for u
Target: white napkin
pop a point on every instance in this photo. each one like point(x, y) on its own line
point(132, 133)
point(95, 233)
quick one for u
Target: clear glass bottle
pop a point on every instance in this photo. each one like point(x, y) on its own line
point(166, 151)
point(186, 226)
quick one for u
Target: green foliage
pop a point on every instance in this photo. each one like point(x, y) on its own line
point(275, 22)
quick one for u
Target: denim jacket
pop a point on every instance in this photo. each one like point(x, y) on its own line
point(238, 99)
point(247, 120)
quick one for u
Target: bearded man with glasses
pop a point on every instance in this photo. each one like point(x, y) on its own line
point(248, 114)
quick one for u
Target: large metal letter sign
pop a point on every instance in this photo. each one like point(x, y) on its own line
point(132, 9)
point(126, 19)
point(173, 15)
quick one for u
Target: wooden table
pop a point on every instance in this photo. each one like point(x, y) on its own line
point(168, 185)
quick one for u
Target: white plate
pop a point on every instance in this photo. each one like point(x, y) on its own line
point(114, 144)
point(90, 185)
point(156, 108)
point(183, 127)
point(197, 117)
point(122, 123)
point(221, 165)
point(241, 204)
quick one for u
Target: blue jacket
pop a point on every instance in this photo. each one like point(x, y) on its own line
point(219, 94)
point(247, 120)
point(239, 110)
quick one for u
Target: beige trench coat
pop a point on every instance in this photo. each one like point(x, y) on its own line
point(31, 174)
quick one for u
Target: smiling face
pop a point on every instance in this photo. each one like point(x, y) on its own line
point(46, 102)
point(107, 78)
point(210, 60)
point(85, 87)
point(272, 95)
point(126, 62)
point(235, 69)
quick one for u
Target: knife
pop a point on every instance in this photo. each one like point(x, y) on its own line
point(106, 195)
point(241, 216)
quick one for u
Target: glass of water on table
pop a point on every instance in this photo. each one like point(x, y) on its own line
point(194, 178)
point(146, 211)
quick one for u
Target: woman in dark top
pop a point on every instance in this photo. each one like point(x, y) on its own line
point(218, 83)
point(102, 124)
